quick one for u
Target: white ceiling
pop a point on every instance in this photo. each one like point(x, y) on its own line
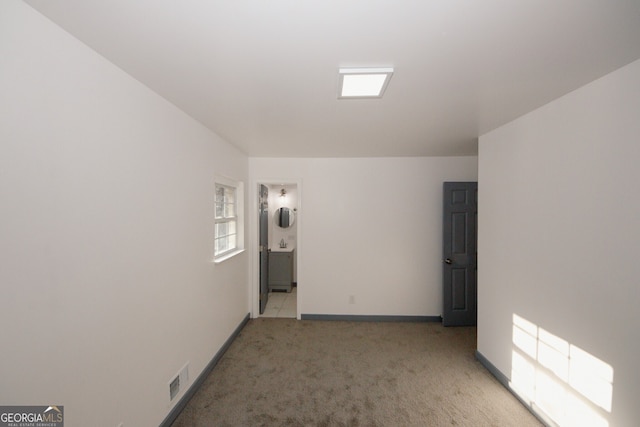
point(264, 74)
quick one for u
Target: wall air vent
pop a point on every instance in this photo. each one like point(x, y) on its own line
point(180, 380)
point(174, 388)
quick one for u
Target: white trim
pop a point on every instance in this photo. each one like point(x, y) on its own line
point(227, 256)
point(254, 274)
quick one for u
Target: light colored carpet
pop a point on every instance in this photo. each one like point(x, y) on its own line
point(287, 372)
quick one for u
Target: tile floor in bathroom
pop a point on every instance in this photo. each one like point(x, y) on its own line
point(282, 304)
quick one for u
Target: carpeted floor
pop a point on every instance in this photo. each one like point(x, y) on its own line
point(287, 372)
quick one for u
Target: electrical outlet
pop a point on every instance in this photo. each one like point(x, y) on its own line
point(352, 299)
point(120, 425)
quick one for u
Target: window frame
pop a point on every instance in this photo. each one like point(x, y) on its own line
point(235, 218)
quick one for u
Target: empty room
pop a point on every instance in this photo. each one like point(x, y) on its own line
point(337, 213)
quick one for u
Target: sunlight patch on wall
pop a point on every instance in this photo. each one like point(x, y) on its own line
point(568, 384)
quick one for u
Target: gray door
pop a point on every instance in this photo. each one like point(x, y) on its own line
point(264, 247)
point(460, 255)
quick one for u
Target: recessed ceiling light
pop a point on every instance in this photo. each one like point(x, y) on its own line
point(363, 82)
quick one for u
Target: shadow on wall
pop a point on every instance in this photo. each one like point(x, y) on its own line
point(558, 379)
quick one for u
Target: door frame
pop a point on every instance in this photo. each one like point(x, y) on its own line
point(254, 240)
point(263, 249)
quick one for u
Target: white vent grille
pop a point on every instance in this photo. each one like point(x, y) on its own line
point(180, 380)
point(174, 387)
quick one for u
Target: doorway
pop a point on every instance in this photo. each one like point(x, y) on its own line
point(278, 249)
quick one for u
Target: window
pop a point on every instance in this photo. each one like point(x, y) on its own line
point(226, 228)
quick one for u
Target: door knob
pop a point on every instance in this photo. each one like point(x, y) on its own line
point(448, 261)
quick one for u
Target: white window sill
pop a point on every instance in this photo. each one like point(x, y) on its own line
point(227, 256)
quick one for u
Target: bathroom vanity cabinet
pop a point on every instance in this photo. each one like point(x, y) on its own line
point(281, 270)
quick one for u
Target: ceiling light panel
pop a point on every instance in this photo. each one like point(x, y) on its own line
point(363, 82)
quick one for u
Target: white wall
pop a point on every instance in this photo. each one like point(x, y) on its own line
point(367, 227)
point(106, 207)
point(559, 231)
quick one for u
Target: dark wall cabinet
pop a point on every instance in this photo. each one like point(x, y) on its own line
point(281, 270)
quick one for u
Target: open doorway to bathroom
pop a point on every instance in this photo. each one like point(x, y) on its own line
point(278, 241)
